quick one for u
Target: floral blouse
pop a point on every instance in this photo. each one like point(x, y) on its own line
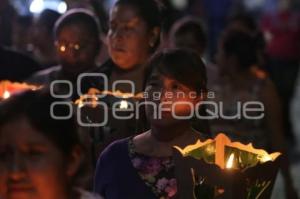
point(157, 172)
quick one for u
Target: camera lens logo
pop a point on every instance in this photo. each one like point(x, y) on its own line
point(84, 118)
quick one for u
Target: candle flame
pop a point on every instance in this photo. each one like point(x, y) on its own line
point(229, 163)
point(123, 104)
point(6, 94)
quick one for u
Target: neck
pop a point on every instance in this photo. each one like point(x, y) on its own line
point(136, 75)
point(170, 134)
point(72, 76)
point(133, 69)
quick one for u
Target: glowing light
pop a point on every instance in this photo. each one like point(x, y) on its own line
point(36, 6)
point(62, 48)
point(62, 7)
point(123, 104)
point(6, 94)
point(76, 46)
point(229, 163)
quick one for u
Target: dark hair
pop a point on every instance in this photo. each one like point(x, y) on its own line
point(190, 25)
point(79, 16)
point(48, 18)
point(242, 46)
point(184, 65)
point(187, 67)
point(24, 21)
point(249, 23)
point(246, 20)
point(149, 10)
point(35, 106)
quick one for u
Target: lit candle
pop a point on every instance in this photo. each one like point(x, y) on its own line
point(123, 104)
point(8, 88)
point(229, 163)
point(6, 94)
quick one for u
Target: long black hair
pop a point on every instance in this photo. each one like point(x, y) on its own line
point(184, 65)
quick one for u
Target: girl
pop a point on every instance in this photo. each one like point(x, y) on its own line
point(142, 166)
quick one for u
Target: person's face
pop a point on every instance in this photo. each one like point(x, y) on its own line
point(31, 167)
point(77, 49)
point(129, 38)
point(175, 98)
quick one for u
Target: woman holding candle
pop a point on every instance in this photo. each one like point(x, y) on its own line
point(142, 166)
point(40, 157)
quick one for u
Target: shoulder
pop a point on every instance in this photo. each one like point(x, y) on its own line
point(105, 68)
point(45, 76)
point(261, 81)
point(114, 157)
point(116, 151)
point(48, 71)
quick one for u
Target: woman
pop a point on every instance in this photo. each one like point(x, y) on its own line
point(142, 166)
point(40, 157)
point(133, 35)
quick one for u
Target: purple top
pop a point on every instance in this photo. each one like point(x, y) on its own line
point(115, 163)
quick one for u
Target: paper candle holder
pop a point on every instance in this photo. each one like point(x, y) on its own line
point(219, 168)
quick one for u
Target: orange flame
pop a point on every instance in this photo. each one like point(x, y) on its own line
point(7, 88)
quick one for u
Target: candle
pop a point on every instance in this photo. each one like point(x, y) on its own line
point(229, 163)
point(123, 104)
point(8, 88)
point(6, 95)
point(234, 171)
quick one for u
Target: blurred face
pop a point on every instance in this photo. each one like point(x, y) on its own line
point(129, 39)
point(77, 49)
point(31, 167)
point(175, 98)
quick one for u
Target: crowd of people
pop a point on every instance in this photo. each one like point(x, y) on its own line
point(43, 157)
